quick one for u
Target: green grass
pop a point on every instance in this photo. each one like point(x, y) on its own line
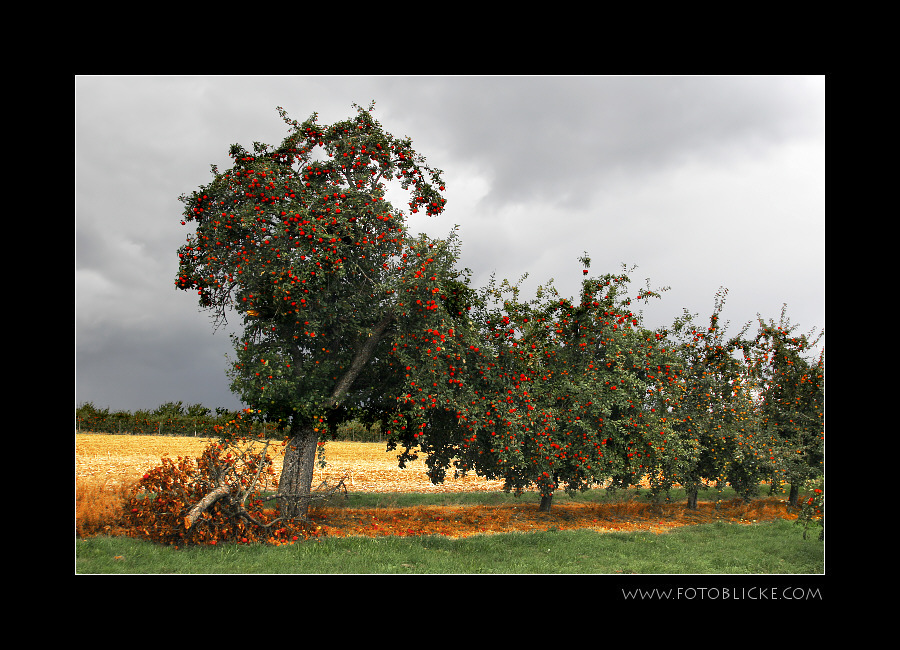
point(774, 547)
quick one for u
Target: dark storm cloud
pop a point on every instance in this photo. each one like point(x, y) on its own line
point(563, 139)
point(700, 181)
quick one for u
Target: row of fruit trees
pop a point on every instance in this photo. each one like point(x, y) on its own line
point(348, 317)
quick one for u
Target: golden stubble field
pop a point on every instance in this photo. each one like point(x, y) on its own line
point(106, 461)
point(112, 459)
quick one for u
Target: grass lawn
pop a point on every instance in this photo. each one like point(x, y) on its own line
point(775, 547)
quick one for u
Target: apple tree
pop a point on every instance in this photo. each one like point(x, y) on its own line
point(550, 393)
point(715, 410)
point(299, 241)
point(791, 401)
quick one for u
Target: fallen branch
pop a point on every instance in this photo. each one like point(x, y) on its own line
point(204, 504)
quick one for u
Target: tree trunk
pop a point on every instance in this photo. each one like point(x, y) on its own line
point(794, 497)
point(546, 501)
point(295, 485)
point(692, 499)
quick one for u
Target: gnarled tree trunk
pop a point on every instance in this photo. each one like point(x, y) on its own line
point(294, 488)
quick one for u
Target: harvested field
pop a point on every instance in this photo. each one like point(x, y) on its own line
point(110, 460)
point(367, 466)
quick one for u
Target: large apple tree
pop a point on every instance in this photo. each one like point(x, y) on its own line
point(299, 241)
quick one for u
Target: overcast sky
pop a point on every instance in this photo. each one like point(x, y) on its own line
point(701, 182)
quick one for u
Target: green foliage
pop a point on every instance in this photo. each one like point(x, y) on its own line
point(791, 403)
point(555, 393)
point(715, 410)
point(298, 239)
point(551, 392)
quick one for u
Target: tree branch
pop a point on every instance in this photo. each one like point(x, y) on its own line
point(204, 504)
point(359, 361)
point(263, 462)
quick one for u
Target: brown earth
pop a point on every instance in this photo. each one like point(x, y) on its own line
point(462, 521)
